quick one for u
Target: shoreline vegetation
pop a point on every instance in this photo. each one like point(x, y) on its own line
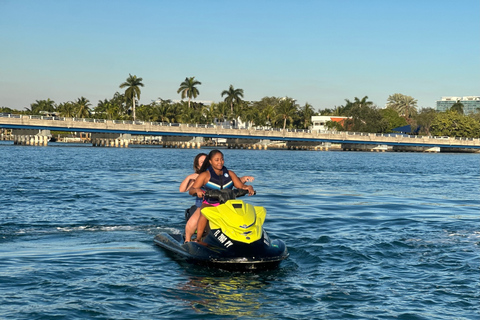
point(361, 115)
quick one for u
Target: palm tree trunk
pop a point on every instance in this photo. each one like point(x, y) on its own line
point(133, 108)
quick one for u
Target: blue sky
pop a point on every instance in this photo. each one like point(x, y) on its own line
point(320, 52)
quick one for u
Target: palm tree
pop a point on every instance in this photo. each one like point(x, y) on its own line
point(164, 110)
point(307, 112)
point(220, 111)
point(404, 105)
point(232, 96)
point(187, 88)
point(250, 115)
point(267, 110)
point(146, 112)
point(269, 114)
point(362, 103)
point(83, 107)
point(119, 101)
point(133, 91)
point(42, 105)
point(66, 109)
point(101, 109)
point(112, 111)
point(286, 109)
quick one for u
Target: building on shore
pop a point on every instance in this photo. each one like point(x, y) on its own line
point(471, 104)
point(319, 123)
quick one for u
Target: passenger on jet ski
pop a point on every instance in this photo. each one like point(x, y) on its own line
point(236, 240)
point(191, 215)
point(187, 183)
point(214, 176)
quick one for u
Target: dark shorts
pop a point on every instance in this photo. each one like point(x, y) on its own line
point(189, 212)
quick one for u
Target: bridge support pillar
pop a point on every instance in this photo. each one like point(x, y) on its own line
point(416, 149)
point(5, 134)
point(364, 147)
point(239, 143)
point(117, 140)
point(182, 142)
point(31, 137)
point(307, 145)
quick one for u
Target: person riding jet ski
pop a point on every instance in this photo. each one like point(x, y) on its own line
point(187, 184)
point(213, 176)
point(236, 239)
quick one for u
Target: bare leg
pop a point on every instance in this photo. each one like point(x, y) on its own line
point(191, 225)
point(202, 223)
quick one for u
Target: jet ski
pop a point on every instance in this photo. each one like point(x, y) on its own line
point(234, 239)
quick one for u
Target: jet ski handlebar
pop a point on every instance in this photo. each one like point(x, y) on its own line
point(225, 194)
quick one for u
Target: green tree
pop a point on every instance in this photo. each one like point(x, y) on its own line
point(112, 111)
point(194, 113)
point(453, 124)
point(405, 105)
point(393, 118)
point(364, 117)
point(220, 111)
point(181, 112)
point(233, 96)
point(346, 110)
point(286, 109)
point(82, 107)
point(267, 108)
point(164, 110)
point(119, 104)
point(306, 113)
point(269, 115)
point(132, 92)
point(66, 109)
point(457, 107)
point(210, 113)
point(101, 109)
point(334, 125)
point(146, 112)
point(188, 89)
point(8, 110)
point(250, 115)
point(425, 118)
point(326, 112)
point(42, 105)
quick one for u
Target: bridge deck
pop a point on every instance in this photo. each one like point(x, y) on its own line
point(212, 131)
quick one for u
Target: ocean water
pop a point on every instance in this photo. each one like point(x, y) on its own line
point(370, 236)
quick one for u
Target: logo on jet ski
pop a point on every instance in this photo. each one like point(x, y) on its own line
point(223, 238)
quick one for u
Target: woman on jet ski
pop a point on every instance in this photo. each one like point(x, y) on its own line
point(213, 175)
point(187, 184)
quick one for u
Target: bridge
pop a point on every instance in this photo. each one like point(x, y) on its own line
point(35, 130)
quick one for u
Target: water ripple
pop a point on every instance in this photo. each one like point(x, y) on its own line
point(370, 236)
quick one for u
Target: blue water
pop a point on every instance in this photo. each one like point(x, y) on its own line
point(370, 235)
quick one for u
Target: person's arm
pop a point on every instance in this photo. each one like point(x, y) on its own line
point(188, 182)
point(202, 179)
point(247, 179)
point(239, 184)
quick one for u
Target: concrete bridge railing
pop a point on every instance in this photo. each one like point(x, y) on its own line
point(218, 131)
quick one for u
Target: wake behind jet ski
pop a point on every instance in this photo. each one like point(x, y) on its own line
point(235, 239)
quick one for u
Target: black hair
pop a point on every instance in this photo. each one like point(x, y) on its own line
point(206, 163)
